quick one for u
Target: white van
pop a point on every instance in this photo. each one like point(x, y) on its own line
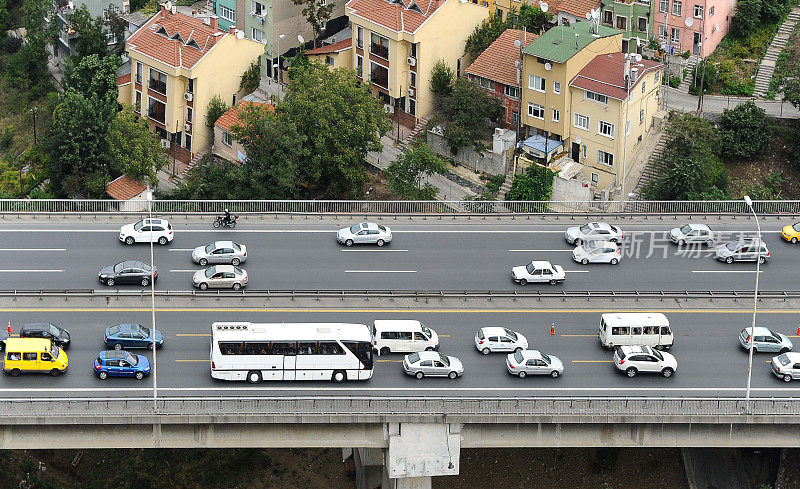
point(635, 328)
point(402, 335)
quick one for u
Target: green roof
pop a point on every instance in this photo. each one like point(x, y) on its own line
point(559, 43)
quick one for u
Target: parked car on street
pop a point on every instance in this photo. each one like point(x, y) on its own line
point(146, 231)
point(495, 338)
point(225, 252)
point(538, 272)
point(121, 363)
point(127, 336)
point(635, 359)
point(128, 272)
point(432, 364)
point(597, 252)
point(533, 362)
point(765, 340)
point(746, 249)
point(692, 233)
point(365, 233)
point(593, 231)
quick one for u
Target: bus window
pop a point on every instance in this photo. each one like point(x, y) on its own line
point(307, 348)
point(620, 330)
point(330, 348)
point(651, 330)
point(283, 348)
point(636, 330)
point(362, 350)
point(665, 330)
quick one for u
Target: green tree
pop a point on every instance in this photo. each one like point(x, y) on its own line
point(316, 12)
point(692, 167)
point(746, 18)
point(743, 131)
point(442, 78)
point(132, 149)
point(213, 178)
point(341, 120)
point(26, 70)
point(78, 151)
point(275, 153)
point(406, 172)
point(533, 18)
point(791, 85)
point(4, 18)
point(485, 34)
point(92, 75)
point(534, 184)
point(250, 78)
point(216, 107)
point(465, 113)
point(92, 38)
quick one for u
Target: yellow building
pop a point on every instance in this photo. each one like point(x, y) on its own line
point(178, 63)
point(396, 44)
point(336, 55)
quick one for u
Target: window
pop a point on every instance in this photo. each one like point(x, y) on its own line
point(675, 35)
point(412, 107)
point(227, 14)
point(189, 114)
point(662, 33)
point(258, 9)
point(360, 37)
point(329, 60)
point(581, 121)
point(536, 83)
point(628, 128)
point(642, 24)
point(29, 357)
point(226, 138)
point(515, 118)
point(711, 11)
point(188, 142)
point(158, 81)
point(137, 104)
point(536, 111)
point(676, 7)
point(641, 116)
point(605, 158)
point(190, 85)
point(605, 128)
point(379, 75)
point(608, 17)
point(556, 115)
point(511, 92)
point(234, 100)
point(622, 23)
point(379, 46)
point(583, 151)
point(597, 97)
point(412, 50)
point(595, 178)
point(359, 66)
point(156, 110)
point(556, 87)
point(485, 83)
point(644, 86)
point(412, 79)
point(139, 70)
point(698, 11)
point(664, 6)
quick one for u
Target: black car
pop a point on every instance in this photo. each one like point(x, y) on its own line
point(50, 331)
point(128, 272)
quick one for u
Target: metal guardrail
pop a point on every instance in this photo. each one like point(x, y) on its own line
point(391, 406)
point(352, 207)
point(415, 294)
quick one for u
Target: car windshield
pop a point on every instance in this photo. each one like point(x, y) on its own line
point(210, 271)
point(413, 358)
point(237, 247)
point(546, 359)
point(518, 356)
point(209, 247)
point(530, 268)
point(590, 246)
point(444, 360)
point(54, 331)
point(426, 330)
point(145, 331)
point(796, 227)
point(733, 245)
point(355, 228)
point(685, 229)
point(511, 334)
point(774, 334)
point(238, 271)
point(382, 228)
point(586, 228)
point(658, 355)
point(138, 225)
point(132, 359)
point(783, 359)
point(118, 267)
point(113, 330)
point(54, 350)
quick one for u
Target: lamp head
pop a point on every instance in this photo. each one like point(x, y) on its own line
point(748, 201)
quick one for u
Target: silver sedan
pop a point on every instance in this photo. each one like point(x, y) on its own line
point(533, 362)
point(432, 364)
point(227, 252)
point(220, 277)
point(365, 233)
point(597, 252)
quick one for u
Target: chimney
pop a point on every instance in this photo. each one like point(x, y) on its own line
point(214, 22)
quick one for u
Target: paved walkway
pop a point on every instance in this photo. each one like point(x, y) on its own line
point(767, 66)
point(715, 104)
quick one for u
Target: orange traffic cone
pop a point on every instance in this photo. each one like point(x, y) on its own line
point(798, 329)
point(553, 328)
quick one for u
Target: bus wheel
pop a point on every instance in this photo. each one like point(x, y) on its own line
point(254, 377)
point(339, 376)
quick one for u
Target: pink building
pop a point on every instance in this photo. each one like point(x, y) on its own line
point(696, 26)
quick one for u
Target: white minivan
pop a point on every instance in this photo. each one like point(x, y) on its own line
point(402, 336)
point(635, 329)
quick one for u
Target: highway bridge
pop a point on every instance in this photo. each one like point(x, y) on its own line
point(403, 431)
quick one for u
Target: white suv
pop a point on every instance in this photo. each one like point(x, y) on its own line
point(146, 231)
point(495, 338)
point(635, 359)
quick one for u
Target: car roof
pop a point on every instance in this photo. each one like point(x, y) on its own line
point(223, 244)
point(110, 354)
point(793, 356)
point(628, 349)
point(127, 326)
point(36, 325)
point(600, 225)
point(598, 242)
point(758, 329)
point(541, 264)
point(27, 344)
point(224, 268)
point(383, 324)
point(531, 354)
point(368, 225)
point(698, 226)
point(493, 330)
point(429, 355)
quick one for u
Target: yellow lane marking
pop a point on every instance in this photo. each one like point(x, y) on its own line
point(444, 335)
point(593, 361)
point(185, 360)
point(793, 335)
point(403, 311)
point(579, 335)
point(193, 334)
point(393, 361)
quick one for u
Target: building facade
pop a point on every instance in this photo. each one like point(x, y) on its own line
point(178, 63)
point(397, 43)
point(696, 26)
point(225, 143)
point(633, 17)
point(67, 36)
point(336, 55)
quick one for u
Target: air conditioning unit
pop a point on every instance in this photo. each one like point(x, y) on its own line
point(411, 92)
point(165, 143)
point(388, 108)
point(187, 127)
point(187, 96)
point(411, 61)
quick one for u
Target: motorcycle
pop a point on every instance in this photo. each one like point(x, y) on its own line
point(221, 221)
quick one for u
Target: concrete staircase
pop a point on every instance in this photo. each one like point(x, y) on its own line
point(687, 80)
point(767, 66)
point(193, 163)
point(418, 128)
point(654, 168)
point(501, 194)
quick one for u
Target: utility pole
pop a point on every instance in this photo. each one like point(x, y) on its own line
point(33, 110)
point(700, 95)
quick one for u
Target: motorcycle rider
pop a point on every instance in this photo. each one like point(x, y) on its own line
point(227, 219)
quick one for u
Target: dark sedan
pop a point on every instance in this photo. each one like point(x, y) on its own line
point(128, 272)
point(132, 336)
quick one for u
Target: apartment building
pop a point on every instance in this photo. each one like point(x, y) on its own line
point(398, 42)
point(633, 17)
point(67, 35)
point(178, 63)
point(335, 55)
point(696, 26)
point(496, 70)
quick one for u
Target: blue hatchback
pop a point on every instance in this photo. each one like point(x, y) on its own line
point(121, 363)
point(132, 336)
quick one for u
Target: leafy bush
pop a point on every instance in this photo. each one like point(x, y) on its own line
point(708, 81)
point(10, 44)
point(442, 78)
point(675, 81)
point(494, 183)
point(250, 78)
point(405, 174)
point(216, 107)
point(466, 112)
point(7, 137)
point(743, 131)
point(535, 183)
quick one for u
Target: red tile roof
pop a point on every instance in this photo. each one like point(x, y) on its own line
point(577, 8)
point(333, 48)
point(606, 74)
point(399, 16)
point(124, 188)
point(196, 39)
point(123, 79)
point(497, 62)
point(231, 116)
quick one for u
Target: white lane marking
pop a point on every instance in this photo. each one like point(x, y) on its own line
point(33, 249)
point(726, 271)
point(31, 271)
point(576, 271)
point(181, 249)
point(333, 231)
point(319, 387)
point(538, 251)
point(378, 251)
point(183, 271)
point(380, 271)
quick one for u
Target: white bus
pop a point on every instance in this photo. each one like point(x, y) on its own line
point(290, 351)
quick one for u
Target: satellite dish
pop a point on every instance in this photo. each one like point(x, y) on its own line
point(240, 35)
point(300, 39)
point(517, 43)
point(71, 5)
point(596, 14)
point(578, 140)
point(544, 7)
point(689, 21)
point(548, 66)
point(638, 57)
point(263, 41)
point(588, 16)
point(168, 5)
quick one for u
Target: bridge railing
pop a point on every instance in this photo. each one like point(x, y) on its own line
point(55, 206)
point(396, 406)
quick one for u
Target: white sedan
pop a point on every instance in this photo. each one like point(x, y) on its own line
point(538, 271)
point(432, 364)
point(365, 233)
point(533, 362)
point(593, 231)
point(597, 252)
point(146, 231)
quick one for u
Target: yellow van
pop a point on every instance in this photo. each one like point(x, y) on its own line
point(34, 355)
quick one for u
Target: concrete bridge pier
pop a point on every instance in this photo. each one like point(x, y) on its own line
point(415, 453)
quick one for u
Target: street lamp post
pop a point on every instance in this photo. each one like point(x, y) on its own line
point(755, 304)
point(278, 66)
point(153, 302)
